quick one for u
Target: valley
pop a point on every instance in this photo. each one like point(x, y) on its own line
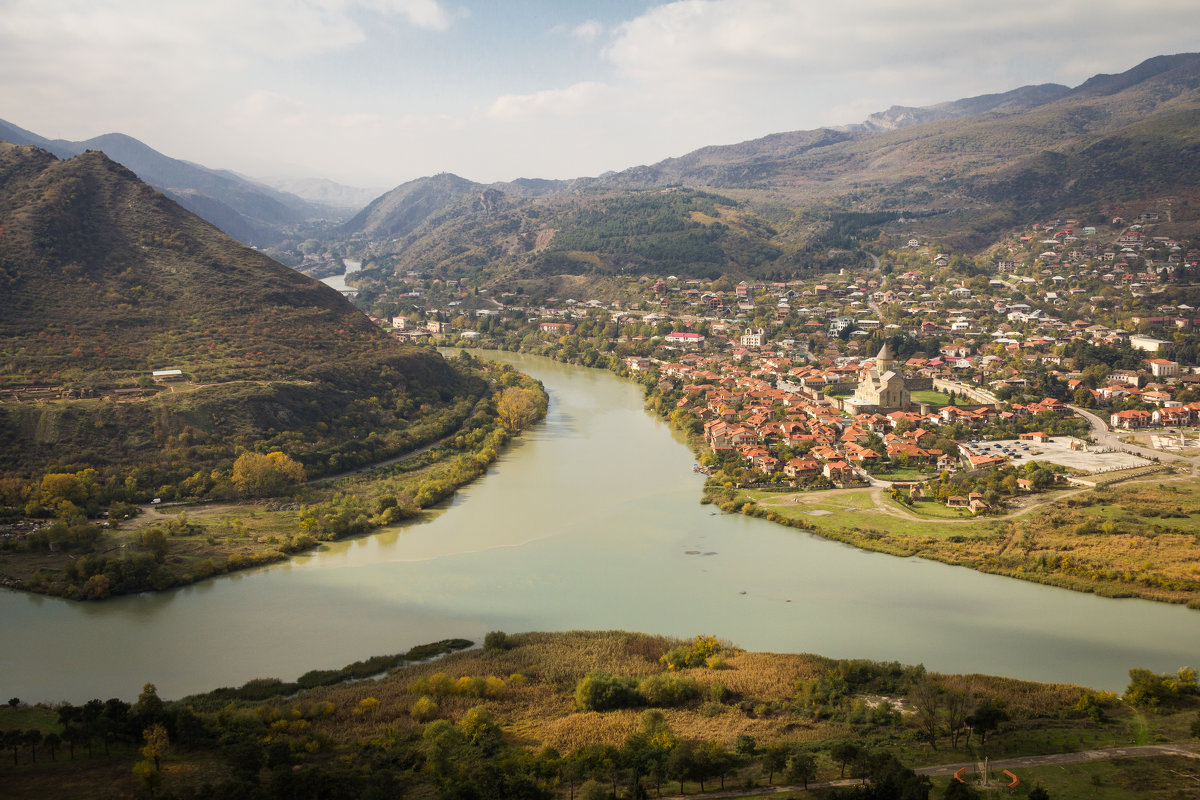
point(921, 394)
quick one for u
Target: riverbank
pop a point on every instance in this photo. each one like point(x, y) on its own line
point(167, 547)
point(1131, 540)
point(519, 713)
point(1110, 542)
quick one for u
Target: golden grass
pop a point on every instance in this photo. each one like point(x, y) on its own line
point(1137, 539)
point(537, 709)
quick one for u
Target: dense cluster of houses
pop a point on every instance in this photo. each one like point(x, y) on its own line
point(1053, 285)
point(757, 407)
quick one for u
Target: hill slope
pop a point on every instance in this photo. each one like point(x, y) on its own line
point(106, 279)
point(403, 209)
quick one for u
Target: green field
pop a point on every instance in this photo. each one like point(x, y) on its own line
point(906, 475)
point(930, 396)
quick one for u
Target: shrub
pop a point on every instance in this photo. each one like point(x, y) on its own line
point(424, 709)
point(496, 641)
point(696, 654)
point(667, 690)
point(601, 691)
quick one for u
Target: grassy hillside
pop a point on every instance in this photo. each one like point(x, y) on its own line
point(106, 280)
point(523, 717)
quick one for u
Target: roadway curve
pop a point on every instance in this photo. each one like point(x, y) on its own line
point(1107, 438)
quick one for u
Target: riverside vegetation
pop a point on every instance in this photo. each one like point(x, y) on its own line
point(602, 715)
point(1133, 540)
point(278, 382)
point(279, 514)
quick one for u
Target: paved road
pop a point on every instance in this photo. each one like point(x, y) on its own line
point(1107, 438)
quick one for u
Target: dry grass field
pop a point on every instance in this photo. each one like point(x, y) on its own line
point(1134, 539)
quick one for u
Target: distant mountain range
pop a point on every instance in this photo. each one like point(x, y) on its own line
point(325, 192)
point(970, 167)
point(986, 162)
point(250, 211)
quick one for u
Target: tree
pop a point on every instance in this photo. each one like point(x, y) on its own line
point(517, 408)
point(480, 729)
point(73, 736)
point(714, 760)
point(926, 697)
point(844, 753)
point(956, 703)
point(52, 742)
point(15, 739)
point(987, 717)
point(150, 707)
point(646, 752)
point(154, 540)
point(774, 758)
point(156, 744)
point(61, 490)
point(150, 776)
point(682, 763)
point(959, 791)
point(802, 768)
point(33, 737)
point(1149, 690)
point(745, 745)
point(265, 474)
point(601, 691)
point(424, 709)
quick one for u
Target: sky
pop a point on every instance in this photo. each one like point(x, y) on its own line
point(373, 93)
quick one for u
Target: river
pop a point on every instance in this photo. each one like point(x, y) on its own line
point(339, 281)
point(590, 521)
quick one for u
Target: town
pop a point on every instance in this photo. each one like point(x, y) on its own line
point(897, 375)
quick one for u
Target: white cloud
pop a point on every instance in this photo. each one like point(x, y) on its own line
point(698, 43)
point(588, 30)
point(265, 103)
point(427, 14)
point(277, 28)
point(584, 97)
point(354, 87)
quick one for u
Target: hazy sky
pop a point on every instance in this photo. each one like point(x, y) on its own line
point(376, 92)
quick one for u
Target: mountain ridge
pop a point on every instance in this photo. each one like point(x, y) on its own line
point(251, 212)
point(966, 169)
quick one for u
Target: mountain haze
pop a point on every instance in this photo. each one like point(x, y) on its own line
point(250, 212)
point(324, 192)
point(970, 167)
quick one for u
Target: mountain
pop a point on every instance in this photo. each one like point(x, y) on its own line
point(324, 192)
point(965, 170)
point(401, 210)
point(1017, 100)
point(250, 212)
point(905, 155)
point(106, 279)
point(14, 135)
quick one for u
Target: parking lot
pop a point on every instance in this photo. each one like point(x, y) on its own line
point(1058, 450)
